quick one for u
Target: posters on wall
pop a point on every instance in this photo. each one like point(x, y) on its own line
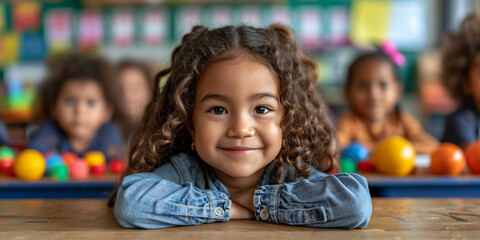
point(2, 16)
point(219, 16)
point(338, 27)
point(186, 18)
point(402, 22)
point(310, 27)
point(123, 27)
point(90, 29)
point(251, 16)
point(8, 47)
point(58, 30)
point(32, 47)
point(280, 14)
point(26, 15)
point(155, 25)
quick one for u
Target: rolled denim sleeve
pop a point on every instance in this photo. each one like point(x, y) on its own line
point(329, 201)
point(147, 200)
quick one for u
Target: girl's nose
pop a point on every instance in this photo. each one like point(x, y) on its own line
point(80, 108)
point(240, 127)
point(375, 91)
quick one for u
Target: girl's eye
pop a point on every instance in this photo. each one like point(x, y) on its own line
point(218, 110)
point(383, 85)
point(70, 101)
point(262, 110)
point(91, 103)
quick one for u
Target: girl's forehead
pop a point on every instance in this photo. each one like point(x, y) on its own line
point(82, 86)
point(237, 74)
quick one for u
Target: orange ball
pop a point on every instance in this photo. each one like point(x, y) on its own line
point(447, 159)
point(473, 157)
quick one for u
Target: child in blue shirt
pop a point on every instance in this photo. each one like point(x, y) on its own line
point(4, 138)
point(238, 131)
point(461, 66)
point(77, 103)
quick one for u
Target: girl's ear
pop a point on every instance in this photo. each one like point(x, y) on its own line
point(191, 129)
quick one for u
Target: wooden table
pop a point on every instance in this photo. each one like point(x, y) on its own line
point(91, 219)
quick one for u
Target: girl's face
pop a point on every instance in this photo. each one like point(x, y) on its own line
point(135, 92)
point(236, 119)
point(374, 90)
point(81, 109)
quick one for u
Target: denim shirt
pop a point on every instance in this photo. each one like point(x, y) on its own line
point(186, 191)
point(51, 138)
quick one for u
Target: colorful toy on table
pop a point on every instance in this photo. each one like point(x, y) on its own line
point(6, 153)
point(473, 157)
point(354, 157)
point(52, 160)
point(96, 162)
point(448, 159)
point(56, 167)
point(69, 158)
point(79, 169)
point(59, 173)
point(7, 160)
point(98, 170)
point(117, 166)
point(366, 166)
point(394, 156)
point(348, 165)
point(30, 165)
point(356, 151)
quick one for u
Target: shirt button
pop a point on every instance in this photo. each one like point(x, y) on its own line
point(219, 211)
point(264, 214)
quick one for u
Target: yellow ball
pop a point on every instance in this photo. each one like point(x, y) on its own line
point(394, 156)
point(94, 158)
point(30, 165)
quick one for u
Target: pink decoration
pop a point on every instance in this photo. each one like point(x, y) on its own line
point(391, 50)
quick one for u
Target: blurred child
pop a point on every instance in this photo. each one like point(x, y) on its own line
point(4, 138)
point(238, 131)
point(461, 76)
point(136, 84)
point(77, 102)
point(373, 92)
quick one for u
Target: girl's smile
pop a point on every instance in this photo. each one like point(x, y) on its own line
point(239, 150)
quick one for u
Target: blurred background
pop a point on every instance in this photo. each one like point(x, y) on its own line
point(332, 31)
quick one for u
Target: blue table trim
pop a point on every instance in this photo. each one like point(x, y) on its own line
point(85, 189)
point(436, 187)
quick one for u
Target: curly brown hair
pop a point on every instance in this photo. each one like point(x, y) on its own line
point(308, 135)
point(459, 54)
point(75, 66)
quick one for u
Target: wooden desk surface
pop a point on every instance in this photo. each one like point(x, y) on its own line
point(91, 219)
